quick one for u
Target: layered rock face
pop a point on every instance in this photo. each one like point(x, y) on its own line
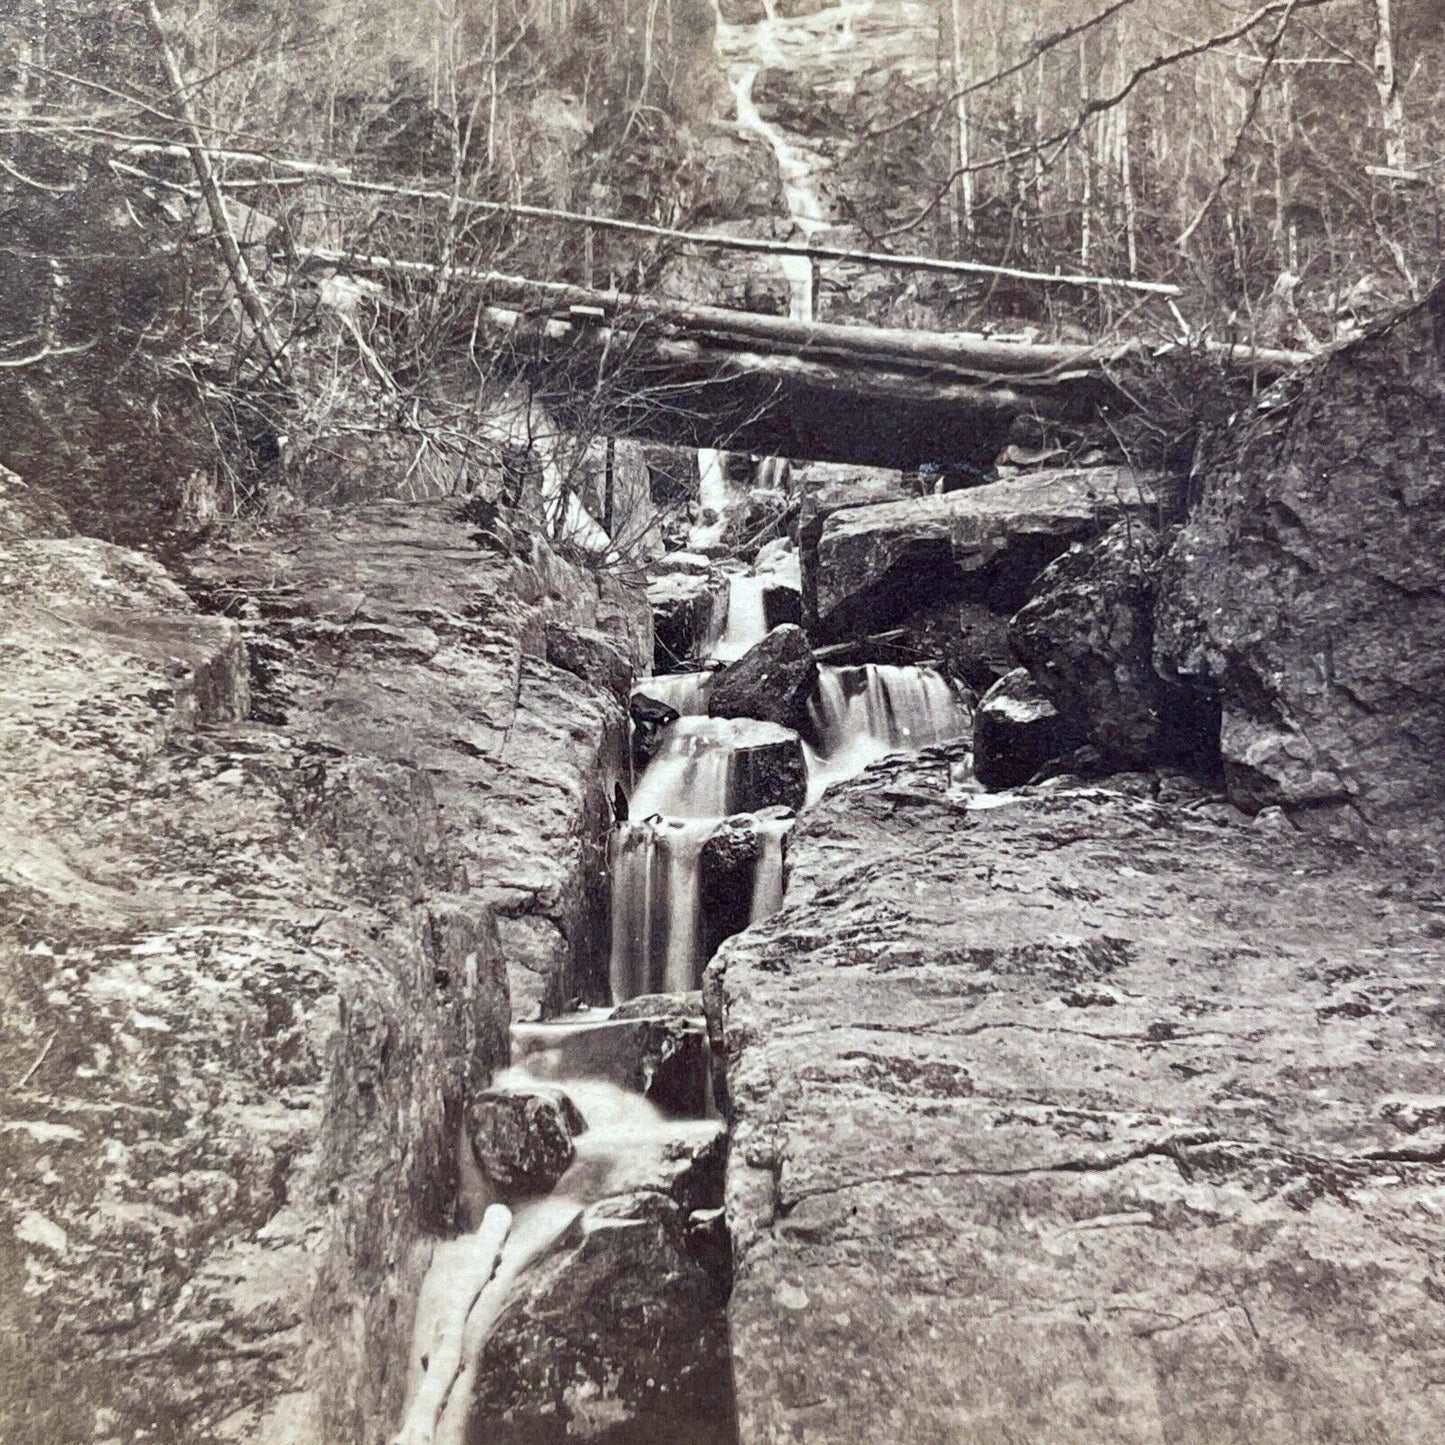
point(1091, 1117)
point(244, 993)
point(252, 955)
point(386, 630)
point(877, 565)
point(1306, 588)
point(686, 606)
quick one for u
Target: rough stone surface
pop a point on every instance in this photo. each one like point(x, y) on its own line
point(1016, 730)
point(384, 630)
point(825, 488)
point(1087, 1118)
point(593, 656)
point(773, 682)
point(782, 605)
point(769, 769)
point(1087, 638)
point(686, 607)
point(624, 1328)
point(1308, 587)
point(522, 1138)
point(650, 718)
point(243, 999)
point(874, 566)
point(727, 868)
point(251, 951)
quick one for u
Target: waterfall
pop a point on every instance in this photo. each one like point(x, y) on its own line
point(625, 1145)
point(862, 714)
point(685, 693)
point(747, 621)
point(656, 924)
point(691, 775)
point(768, 877)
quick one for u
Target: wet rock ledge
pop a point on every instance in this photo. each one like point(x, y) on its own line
point(257, 924)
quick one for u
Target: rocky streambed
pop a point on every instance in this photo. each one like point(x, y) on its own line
point(1069, 1070)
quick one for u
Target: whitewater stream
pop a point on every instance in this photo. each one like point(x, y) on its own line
point(694, 793)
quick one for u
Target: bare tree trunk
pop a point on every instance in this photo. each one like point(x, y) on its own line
point(960, 73)
point(1086, 158)
point(1126, 184)
point(1392, 111)
point(250, 298)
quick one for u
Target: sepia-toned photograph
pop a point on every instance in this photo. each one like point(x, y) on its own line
point(722, 722)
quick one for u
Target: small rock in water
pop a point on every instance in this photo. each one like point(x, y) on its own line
point(1016, 730)
point(523, 1138)
point(661, 1006)
point(649, 718)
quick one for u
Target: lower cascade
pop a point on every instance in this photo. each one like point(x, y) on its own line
point(591, 1167)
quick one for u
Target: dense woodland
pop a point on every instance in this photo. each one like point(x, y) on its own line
point(1280, 163)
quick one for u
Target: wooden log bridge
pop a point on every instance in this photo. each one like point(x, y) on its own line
point(698, 375)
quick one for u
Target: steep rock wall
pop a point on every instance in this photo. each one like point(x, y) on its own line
point(255, 953)
point(389, 630)
point(1307, 588)
point(1081, 1115)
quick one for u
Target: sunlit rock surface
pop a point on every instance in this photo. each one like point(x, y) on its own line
point(252, 968)
point(876, 565)
point(387, 630)
point(1083, 1117)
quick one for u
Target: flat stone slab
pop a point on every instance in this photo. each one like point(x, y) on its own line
point(1074, 1116)
point(874, 566)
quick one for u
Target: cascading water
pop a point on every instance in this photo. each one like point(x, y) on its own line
point(656, 928)
point(768, 877)
point(684, 692)
point(747, 616)
point(683, 796)
point(626, 1143)
point(862, 714)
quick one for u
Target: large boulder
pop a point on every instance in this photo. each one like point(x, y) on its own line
point(1083, 1120)
point(825, 488)
point(1308, 590)
point(686, 611)
point(593, 656)
point(773, 682)
point(620, 1335)
point(876, 566)
point(1087, 637)
point(522, 1138)
point(769, 769)
point(1016, 730)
